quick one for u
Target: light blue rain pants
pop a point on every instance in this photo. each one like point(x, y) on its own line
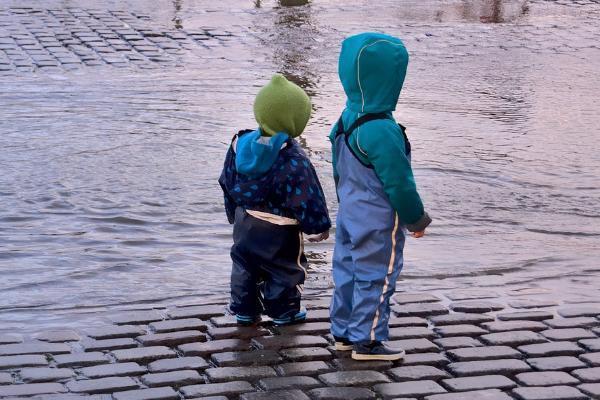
point(368, 257)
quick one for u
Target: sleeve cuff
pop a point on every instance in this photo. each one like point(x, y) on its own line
point(421, 224)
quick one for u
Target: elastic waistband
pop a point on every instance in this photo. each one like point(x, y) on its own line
point(272, 218)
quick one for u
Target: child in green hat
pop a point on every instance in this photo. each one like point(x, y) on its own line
point(272, 196)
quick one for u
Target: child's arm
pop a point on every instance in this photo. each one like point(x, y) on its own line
point(228, 170)
point(305, 197)
point(384, 146)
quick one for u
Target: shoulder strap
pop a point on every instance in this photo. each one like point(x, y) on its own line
point(360, 121)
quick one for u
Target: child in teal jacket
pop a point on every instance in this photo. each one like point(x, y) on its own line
point(378, 198)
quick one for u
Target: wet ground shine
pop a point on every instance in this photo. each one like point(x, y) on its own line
point(115, 117)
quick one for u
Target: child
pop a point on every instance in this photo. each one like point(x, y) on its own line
point(272, 196)
point(377, 194)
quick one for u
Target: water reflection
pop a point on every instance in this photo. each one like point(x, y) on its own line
point(494, 11)
point(177, 14)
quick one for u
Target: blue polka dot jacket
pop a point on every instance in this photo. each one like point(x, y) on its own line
point(273, 176)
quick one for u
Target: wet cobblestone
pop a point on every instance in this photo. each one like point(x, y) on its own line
point(542, 362)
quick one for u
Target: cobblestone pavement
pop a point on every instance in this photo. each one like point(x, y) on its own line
point(462, 344)
point(37, 39)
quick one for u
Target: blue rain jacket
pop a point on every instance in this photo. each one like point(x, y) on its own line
point(273, 175)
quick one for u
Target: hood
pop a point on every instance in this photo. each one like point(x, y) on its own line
point(256, 154)
point(372, 68)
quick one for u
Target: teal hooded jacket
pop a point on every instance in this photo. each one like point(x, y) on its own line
point(372, 68)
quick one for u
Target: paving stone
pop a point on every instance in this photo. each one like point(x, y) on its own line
point(406, 298)
point(489, 394)
point(483, 353)
point(137, 317)
point(549, 393)
point(102, 385)
point(11, 362)
point(5, 378)
point(513, 338)
point(303, 368)
point(460, 330)
point(108, 344)
point(309, 328)
point(214, 346)
point(587, 374)
point(58, 336)
point(532, 303)
point(550, 378)
point(114, 332)
point(239, 373)
point(457, 342)
point(31, 389)
point(216, 389)
point(577, 322)
point(353, 378)
point(80, 359)
point(173, 378)
point(551, 349)
point(501, 367)
point(395, 322)
point(276, 395)
point(568, 334)
point(579, 311)
point(348, 364)
point(417, 372)
point(414, 345)
point(119, 369)
point(318, 316)
point(419, 309)
point(408, 389)
point(279, 342)
point(202, 312)
point(460, 319)
point(342, 393)
point(33, 348)
point(163, 393)
point(224, 321)
point(211, 398)
point(10, 338)
point(434, 359)
point(144, 354)
point(245, 358)
point(559, 363)
point(591, 344)
point(237, 332)
point(504, 326)
point(306, 354)
point(188, 324)
point(173, 364)
point(591, 389)
point(457, 295)
point(477, 306)
point(172, 338)
point(525, 315)
point(410, 332)
point(288, 382)
point(479, 383)
point(38, 375)
point(592, 358)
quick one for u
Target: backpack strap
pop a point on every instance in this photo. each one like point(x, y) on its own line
point(367, 118)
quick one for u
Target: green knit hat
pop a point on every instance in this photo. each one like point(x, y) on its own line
point(282, 106)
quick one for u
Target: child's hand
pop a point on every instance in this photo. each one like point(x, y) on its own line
point(418, 234)
point(320, 237)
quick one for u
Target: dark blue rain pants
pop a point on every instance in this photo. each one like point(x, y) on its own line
point(269, 267)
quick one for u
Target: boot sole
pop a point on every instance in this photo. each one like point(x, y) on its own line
point(343, 347)
point(376, 357)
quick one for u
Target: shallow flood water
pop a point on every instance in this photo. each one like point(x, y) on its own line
point(108, 176)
